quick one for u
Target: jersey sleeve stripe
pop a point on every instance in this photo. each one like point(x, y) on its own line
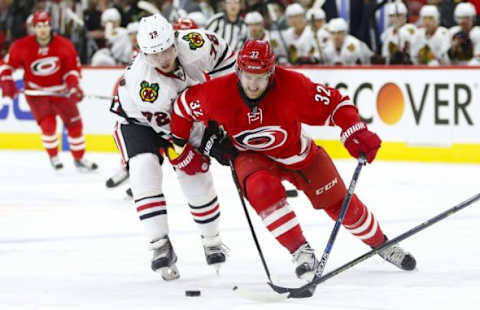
point(177, 110)
point(71, 72)
point(186, 108)
point(342, 104)
point(5, 67)
point(224, 68)
point(220, 60)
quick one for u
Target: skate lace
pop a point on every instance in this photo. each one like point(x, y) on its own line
point(214, 249)
point(393, 254)
point(304, 254)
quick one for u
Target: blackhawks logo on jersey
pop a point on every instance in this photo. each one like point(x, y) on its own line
point(194, 39)
point(148, 92)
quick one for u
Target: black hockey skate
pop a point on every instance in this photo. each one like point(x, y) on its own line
point(306, 262)
point(216, 251)
point(84, 165)
point(164, 259)
point(118, 178)
point(56, 163)
point(398, 257)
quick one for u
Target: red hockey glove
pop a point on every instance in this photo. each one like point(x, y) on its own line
point(189, 160)
point(8, 88)
point(358, 139)
point(75, 93)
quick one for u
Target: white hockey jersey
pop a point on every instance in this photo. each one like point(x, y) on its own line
point(299, 46)
point(145, 94)
point(352, 52)
point(431, 50)
point(400, 40)
point(474, 36)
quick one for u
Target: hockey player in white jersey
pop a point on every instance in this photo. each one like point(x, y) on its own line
point(345, 49)
point(465, 49)
point(398, 37)
point(316, 18)
point(432, 42)
point(168, 63)
point(256, 27)
point(299, 38)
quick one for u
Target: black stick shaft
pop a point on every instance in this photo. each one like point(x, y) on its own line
point(247, 215)
point(401, 237)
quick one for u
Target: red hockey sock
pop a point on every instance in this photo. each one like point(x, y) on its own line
point(48, 125)
point(76, 139)
point(267, 195)
point(360, 222)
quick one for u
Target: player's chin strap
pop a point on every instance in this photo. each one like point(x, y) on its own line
point(308, 289)
point(39, 92)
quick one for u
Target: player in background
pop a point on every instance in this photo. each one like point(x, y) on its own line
point(345, 49)
point(298, 37)
point(256, 27)
point(51, 64)
point(316, 19)
point(398, 37)
point(168, 63)
point(431, 44)
point(465, 49)
point(263, 117)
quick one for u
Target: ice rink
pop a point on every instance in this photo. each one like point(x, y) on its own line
point(68, 243)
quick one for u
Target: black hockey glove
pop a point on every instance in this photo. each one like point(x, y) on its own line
point(217, 144)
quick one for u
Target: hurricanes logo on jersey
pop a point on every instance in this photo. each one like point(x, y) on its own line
point(261, 139)
point(148, 92)
point(45, 66)
point(194, 39)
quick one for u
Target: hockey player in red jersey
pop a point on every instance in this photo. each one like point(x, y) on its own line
point(51, 64)
point(261, 109)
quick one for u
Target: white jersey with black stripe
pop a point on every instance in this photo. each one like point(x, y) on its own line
point(145, 94)
point(235, 33)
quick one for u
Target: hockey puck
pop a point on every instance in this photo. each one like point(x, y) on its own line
point(235, 288)
point(193, 293)
point(292, 193)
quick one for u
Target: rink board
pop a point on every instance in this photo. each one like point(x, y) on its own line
point(421, 113)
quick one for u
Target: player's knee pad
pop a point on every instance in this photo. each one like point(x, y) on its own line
point(263, 190)
point(197, 188)
point(75, 129)
point(145, 175)
point(247, 163)
point(48, 124)
point(355, 211)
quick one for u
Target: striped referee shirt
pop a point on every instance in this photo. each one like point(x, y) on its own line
point(234, 33)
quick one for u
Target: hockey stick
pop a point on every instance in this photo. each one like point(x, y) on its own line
point(274, 19)
point(247, 215)
point(399, 238)
point(308, 289)
point(35, 93)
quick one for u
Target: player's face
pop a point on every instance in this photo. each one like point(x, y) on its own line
point(254, 85)
point(318, 23)
point(164, 61)
point(256, 31)
point(338, 38)
point(296, 21)
point(42, 31)
point(232, 7)
point(465, 23)
point(397, 20)
point(429, 23)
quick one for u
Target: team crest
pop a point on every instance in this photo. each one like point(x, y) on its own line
point(351, 47)
point(148, 92)
point(194, 39)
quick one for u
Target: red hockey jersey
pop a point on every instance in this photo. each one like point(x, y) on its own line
point(48, 67)
point(274, 127)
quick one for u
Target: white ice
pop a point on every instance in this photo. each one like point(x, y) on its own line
point(68, 243)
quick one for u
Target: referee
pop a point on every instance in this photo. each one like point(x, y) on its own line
point(230, 25)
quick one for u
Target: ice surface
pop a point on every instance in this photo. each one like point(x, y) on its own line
point(68, 243)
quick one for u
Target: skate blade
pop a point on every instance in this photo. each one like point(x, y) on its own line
point(169, 273)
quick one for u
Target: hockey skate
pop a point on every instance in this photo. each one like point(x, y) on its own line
point(56, 163)
point(216, 251)
point(398, 257)
point(306, 262)
point(164, 259)
point(118, 178)
point(84, 165)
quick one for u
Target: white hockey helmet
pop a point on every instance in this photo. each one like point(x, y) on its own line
point(253, 18)
point(110, 15)
point(315, 14)
point(199, 19)
point(431, 11)
point(155, 34)
point(465, 9)
point(337, 24)
point(397, 7)
point(294, 9)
